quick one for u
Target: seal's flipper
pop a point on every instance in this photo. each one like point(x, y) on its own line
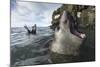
point(27, 29)
point(34, 29)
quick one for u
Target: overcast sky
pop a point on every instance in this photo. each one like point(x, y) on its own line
point(31, 13)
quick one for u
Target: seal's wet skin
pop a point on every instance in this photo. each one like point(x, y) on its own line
point(67, 38)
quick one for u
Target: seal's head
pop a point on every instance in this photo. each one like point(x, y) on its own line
point(67, 23)
point(67, 38)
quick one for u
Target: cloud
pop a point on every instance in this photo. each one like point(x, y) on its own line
point(31, 13)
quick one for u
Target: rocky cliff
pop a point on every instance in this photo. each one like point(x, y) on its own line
point(83, 15)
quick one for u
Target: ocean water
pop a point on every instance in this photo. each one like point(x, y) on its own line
point(19, 35)
point(34, 49)
point(30, 49)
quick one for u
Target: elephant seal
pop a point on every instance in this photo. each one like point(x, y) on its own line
point(67, 39)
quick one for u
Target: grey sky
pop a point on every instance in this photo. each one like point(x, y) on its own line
point(31, 13)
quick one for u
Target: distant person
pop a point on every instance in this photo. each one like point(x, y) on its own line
point(33, 29)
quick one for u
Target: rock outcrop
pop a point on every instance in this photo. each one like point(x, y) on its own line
point(83, 15)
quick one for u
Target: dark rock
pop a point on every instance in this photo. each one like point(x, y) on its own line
point(87, 15)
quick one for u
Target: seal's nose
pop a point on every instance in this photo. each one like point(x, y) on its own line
point(63, 16)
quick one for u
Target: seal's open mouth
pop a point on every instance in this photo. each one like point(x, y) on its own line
point(74, 30)
point(80, 35)
point(74, 27)
point(68, 21)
